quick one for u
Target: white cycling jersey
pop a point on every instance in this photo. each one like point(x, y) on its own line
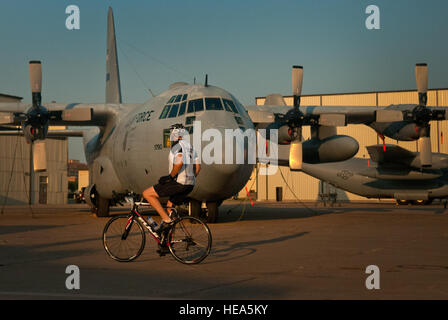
point(189, 157)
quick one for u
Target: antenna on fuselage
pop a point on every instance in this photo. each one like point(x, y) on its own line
point(206, 80)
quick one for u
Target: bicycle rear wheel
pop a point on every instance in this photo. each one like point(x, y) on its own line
point(124, 238)
point(189, 240)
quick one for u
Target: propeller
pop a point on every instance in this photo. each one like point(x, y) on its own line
point(35, 73)
point(35, 127)
point(421, 76)
point(422, 115)
point(296, 148)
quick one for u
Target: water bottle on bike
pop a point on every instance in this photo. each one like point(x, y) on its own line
point(152, 224)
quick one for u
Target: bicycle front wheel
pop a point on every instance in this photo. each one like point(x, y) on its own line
point(124, 238)
point(189, 240)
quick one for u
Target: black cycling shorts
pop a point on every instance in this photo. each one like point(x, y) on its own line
point(175, 191)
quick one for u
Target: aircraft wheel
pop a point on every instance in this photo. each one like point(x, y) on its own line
point(102, 209)
point(402, 202)
point(212, 212)
point(195, 208)
point(422, 202)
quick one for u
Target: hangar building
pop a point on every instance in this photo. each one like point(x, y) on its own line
point(49, 187)
point(308, 188)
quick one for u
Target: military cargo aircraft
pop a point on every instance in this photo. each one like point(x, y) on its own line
point(128, 144)
point(392, 172)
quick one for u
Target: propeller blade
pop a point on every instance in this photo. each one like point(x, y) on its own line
point(297, 80)
point(424, 145)
point(39, 156)
point(295, 155)
point(35, 71)
point(421, 76)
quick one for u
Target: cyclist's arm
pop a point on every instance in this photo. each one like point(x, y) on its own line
point(197, 168)
point(177, 165)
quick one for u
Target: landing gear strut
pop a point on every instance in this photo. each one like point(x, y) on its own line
point(209, 214)
point(102, 207)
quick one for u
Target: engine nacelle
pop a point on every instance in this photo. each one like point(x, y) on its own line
point(35, 127)
point(284, 135)
point(402, 131)
point(35, 132)
point(332, 149)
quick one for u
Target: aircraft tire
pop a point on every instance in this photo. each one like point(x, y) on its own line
point(195, 208)
point(212, 212)
point(102, 209)
point(422, 202)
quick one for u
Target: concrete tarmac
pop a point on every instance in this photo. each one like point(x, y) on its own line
point(268, 251)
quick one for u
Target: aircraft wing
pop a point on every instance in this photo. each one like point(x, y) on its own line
point(328, 115)
point(343, 115)
point(68, 114)
point(12, 131)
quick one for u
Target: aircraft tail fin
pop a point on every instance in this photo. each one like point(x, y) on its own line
point(113, 87)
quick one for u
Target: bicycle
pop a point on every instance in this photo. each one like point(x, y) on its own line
point(188, 239)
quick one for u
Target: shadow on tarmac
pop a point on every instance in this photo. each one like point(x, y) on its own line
point(18, 229)
point(225, 251)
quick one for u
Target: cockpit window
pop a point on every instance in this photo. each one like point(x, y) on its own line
point(172, 99)
point(230, 104)
point(178, 98)
point(213, 104)
point(182, 108)
point(173, 111)
point(164, 112)
point(184, 97)
point(227, 107)
point(238, 120)
point(195, 105)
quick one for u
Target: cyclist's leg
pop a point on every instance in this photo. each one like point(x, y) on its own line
point(153, 198)
point(169, 206)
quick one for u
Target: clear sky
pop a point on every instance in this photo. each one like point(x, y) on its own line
point(246, 46)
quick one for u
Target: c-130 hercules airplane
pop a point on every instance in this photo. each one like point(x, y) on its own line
point(126, 148)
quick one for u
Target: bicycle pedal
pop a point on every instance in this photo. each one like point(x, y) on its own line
point(161, 254)
point(163, 251)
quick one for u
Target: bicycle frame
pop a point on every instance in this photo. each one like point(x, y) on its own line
point(135, 214)
point(171, 237)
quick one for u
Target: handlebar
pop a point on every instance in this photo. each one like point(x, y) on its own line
point(129, 197)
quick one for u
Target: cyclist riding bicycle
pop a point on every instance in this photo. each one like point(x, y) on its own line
point(183, 168)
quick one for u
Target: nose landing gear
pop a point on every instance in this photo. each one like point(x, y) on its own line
point(208, 212)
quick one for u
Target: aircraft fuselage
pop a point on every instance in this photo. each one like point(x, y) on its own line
point(132, 152)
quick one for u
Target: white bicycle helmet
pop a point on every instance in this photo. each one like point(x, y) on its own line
point(177, 131)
